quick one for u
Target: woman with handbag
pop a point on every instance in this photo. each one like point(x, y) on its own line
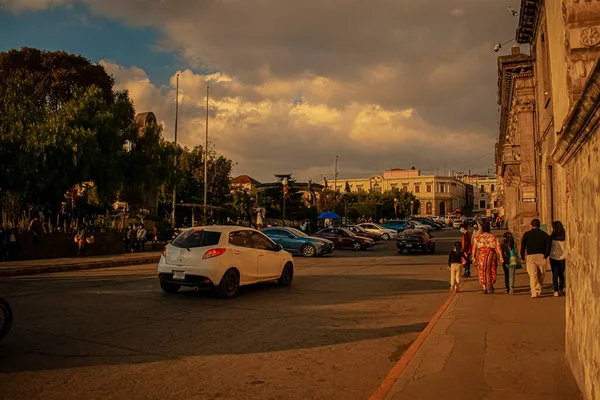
point(511, 261)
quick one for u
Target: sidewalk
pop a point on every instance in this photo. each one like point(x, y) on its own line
point(30, 267)
point(493, 346)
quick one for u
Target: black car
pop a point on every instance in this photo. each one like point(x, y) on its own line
point(415, 240)
point(343, 238)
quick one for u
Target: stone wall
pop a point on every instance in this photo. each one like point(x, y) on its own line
point(583, 267)
point(58, 245)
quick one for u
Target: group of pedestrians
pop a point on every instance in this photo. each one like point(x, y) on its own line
point(135, 238)
point(486, 252)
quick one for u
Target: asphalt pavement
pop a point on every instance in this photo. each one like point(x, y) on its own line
point(113, 334)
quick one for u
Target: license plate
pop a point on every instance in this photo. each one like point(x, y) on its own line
point(179, 275)
point(409, 245)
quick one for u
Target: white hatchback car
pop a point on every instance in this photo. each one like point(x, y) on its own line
point(386, 234)
point(223, 258)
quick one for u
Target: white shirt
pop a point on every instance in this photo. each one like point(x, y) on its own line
point(557, 251)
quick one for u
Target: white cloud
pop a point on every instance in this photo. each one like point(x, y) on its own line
point(278, 134)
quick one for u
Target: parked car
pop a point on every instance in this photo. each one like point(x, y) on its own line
point(386, 234)
point(397, 225)
point(344, 239)
point(419, 225)
point(360, 231)
point(415, 240)
point(298, 242)
point(223, 258)
point(427, 221)
point(457, 223)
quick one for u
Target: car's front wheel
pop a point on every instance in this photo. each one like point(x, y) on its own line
point(357, 246)
point(229, 284)
point(308, 250)
point(385, 236)
point(170, 287)
point(287, 275)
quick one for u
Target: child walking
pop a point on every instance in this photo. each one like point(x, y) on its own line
point(456, 259)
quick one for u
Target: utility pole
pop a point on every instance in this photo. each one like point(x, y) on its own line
point(175, 156)
point(335, 176)
point(206, 162)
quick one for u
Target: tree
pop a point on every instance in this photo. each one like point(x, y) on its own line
point(190, 182)
point(61, 123)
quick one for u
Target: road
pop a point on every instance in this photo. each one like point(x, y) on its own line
point(113, 334)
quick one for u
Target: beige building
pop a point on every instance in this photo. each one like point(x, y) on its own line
point(438, 195)
point(486, 191)
point(547, 154)
point(243, 183)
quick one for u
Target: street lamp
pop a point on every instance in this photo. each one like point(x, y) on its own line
point(284, 183)
point(412, 209)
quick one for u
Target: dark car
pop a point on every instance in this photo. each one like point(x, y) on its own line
point(360, 231)
point(344, 239)
point(415, 240)
point(297, 242)
point(427, 221)
point(398, 225)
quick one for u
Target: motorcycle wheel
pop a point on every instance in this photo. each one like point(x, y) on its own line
point(6, 317)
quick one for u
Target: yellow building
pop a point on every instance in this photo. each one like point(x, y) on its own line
point(438, 195)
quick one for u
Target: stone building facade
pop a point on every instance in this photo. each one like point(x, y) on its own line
point(438, 195)
point(548, 149)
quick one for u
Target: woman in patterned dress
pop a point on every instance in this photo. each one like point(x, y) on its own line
point(486, 254)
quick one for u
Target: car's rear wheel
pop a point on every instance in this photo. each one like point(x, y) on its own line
point(356, 246)
point(229, 284)
point(170, 287)
point(308, 250)
point(433, 249)
point(385, 236)
point(287, 275)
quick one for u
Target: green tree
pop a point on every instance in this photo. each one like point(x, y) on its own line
point(61, 123)
point(190, 182)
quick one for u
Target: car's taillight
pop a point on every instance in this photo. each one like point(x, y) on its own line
point(164, 251)
point(213, 253)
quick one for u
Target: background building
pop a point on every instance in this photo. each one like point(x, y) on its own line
point(547, 154)
point(438, 195)
point(484, 194)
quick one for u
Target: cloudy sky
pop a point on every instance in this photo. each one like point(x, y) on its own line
point(381, 83)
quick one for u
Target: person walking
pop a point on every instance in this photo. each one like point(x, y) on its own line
point(535, 248)
point(511, 261)
point(486, 253)
point(80, 238)
point(456, 259)
point(466, 248)
point(557, 257)
point(141, 238)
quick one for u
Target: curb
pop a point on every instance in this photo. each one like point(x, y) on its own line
point(46, 269)
point(390, 380)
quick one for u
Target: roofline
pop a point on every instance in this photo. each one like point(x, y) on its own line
point(528, 21)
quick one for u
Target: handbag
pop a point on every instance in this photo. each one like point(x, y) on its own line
point(514, 261)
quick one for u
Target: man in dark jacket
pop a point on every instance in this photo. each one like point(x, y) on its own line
point(535, 244)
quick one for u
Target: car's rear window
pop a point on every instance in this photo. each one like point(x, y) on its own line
point(196, 238)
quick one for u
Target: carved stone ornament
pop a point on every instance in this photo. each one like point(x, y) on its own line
point(589, 36)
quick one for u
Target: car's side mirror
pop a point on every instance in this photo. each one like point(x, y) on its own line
point(279, 247)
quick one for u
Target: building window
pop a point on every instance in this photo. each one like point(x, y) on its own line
point(359, 188)
point(394, 186)
point(377, 189)
point(417, 189)
point(428, 207)
point(442, 188)
point(405, 188)
point(482, 204)
point(428, 188)
point(493, 188)
point(338, 188)
point(482, 189)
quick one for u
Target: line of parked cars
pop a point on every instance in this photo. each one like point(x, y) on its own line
point(223, 258)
